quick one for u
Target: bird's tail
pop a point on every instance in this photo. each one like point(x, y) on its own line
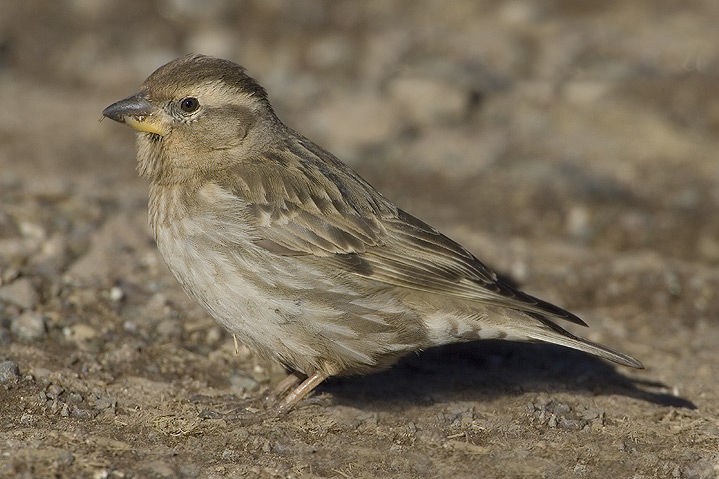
point(554, 334)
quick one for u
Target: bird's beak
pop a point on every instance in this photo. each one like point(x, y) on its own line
point(136, 111)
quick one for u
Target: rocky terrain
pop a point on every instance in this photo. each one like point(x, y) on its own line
point(571, 145)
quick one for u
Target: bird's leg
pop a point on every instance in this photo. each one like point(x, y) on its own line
point(290, 381)
point(299, 393)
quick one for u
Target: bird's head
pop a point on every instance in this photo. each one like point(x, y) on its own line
point(196, 113)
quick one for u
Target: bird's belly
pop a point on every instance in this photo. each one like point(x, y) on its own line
point(283, 309)
point(235, 290)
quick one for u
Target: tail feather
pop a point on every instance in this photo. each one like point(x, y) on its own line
point(557, 335)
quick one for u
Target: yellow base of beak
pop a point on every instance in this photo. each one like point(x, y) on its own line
point(144, 124)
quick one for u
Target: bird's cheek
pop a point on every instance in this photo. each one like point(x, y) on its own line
point(217, 136)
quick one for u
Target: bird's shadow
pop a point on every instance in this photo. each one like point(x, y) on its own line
point(485, 370)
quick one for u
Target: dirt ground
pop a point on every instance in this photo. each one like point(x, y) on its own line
point(570, 145)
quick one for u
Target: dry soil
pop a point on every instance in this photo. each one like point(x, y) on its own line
point(571, 145)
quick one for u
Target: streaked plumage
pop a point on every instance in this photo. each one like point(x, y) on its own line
point(292, 251)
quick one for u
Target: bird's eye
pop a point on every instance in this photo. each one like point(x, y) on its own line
point(188, 105)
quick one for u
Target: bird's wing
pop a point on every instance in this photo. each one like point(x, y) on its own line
point(417, 256)
point(321, 208)
point(301, 208)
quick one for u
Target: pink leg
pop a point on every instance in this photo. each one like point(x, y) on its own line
point(290, 381)
point(301, 391)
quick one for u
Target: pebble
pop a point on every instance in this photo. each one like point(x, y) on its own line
point(104, 403)
point(156, 307)
point(51, 258)
point(28, 419)
point(16, 250)
point(29, 326)
point(84, 413)
point(520, 13)
point(82, 333)
point(65, 458)
point(74, 397)
point(21, 293)
point(5, 337)
point(243, 383)
point(169, 329)
point(9, 372)
point(32, 231)
point(210, 414)
point(116, 294)
point(161, 469)
point(578, 224)
point(10, 274)
point(53, 391)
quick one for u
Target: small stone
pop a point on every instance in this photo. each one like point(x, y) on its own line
point(5, 337)
point(579, 224)
point(156, 307)
point(65, 458)
point(27, 419)
point(9, 372)
point(32, 231)
point(104, 403)
point(10, 274)
point(586, 92)
point(169, 329)
point(42, 374)
point(210, 414)
point(84, 413)
point(74, 397)
point(130, 326)
point(520, 13)
point(83, 333)
point(161, 469)
point(243, 383)
point(242, 434)
point(53, 391)
point(213, 336)
point(20, 293)
point(51, 258)
point(29, 326)
point(708, 247)
point(116, 294)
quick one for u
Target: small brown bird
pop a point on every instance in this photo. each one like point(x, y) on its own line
point(293, 252)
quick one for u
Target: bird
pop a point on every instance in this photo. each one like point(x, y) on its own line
point(294, 253)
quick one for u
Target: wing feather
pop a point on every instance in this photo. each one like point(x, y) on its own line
point(318, 207)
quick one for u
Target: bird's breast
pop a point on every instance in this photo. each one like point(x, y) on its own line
point(299, 310)
point(208, 245)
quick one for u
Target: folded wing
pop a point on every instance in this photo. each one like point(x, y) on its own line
point(320, 208)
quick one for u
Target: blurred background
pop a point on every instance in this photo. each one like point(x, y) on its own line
point(571, 145)
point(550, 106)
